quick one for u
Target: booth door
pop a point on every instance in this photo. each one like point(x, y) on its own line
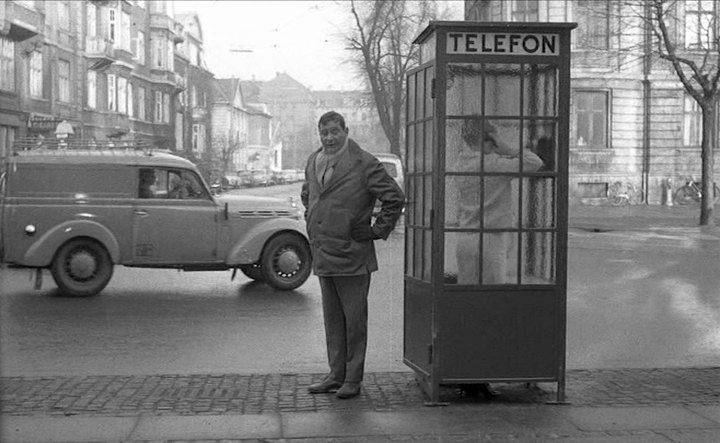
point(500, 311)
point(420, 165)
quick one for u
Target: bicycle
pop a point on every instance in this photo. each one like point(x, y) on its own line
point(691, 192)
point(627, 195)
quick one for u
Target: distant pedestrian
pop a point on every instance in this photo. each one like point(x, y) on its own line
point(342, 183)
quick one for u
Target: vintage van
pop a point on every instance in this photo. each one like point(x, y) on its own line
point(79, 210)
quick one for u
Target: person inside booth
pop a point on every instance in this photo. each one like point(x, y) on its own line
point(484, 151)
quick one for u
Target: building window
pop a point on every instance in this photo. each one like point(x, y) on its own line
point(130, 100)
point(142, 104)
point(524, 10)
point(7, 138)
point(125, 31)
point(166, 108)
point(122, 95)
point(7, 64)
point(593, 17)
point(64, 81)
point(692, 122)
point(91, 21)
point(158, 107)
point(140, 47)
point(159, 44)
point(111, 92)
point(63, 11)
point(36, 74)
point(92, 89)
point(198, 138)
point(591, 110)
point(700, 24)
point(112, 25)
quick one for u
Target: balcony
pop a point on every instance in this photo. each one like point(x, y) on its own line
point(180, 83)
point(100, 51)
point(199, 113)
point(20, 23)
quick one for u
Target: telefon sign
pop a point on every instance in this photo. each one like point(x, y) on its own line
point(502, 43)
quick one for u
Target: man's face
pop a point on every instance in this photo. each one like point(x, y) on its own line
point(332, 135)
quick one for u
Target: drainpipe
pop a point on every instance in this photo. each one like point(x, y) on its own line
point(647, 42)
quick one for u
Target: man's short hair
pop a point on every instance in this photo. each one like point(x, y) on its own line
point(476, 130)
point(332, 116)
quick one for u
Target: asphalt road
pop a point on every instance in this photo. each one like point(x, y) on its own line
point(635, 300)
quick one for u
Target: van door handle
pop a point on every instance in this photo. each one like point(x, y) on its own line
point(142, 213)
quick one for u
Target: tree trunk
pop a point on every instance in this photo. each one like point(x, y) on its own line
point(709, 140)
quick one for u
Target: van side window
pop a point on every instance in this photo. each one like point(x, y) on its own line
point(147, 183)
point(185, 185)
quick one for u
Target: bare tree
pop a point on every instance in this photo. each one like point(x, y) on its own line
point(382, 36)
point(695, 63)
point(223, 149)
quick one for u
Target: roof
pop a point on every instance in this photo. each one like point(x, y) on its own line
point(108, 157)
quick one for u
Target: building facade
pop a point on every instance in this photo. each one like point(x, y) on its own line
point(292, 105)
point(632, 125)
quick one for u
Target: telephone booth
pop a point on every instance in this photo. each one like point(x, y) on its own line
point(486, 220)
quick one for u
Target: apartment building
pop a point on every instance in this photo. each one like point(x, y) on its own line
point(631, 121)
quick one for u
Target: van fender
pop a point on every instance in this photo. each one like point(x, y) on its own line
point(41, 253)
point(248, 248)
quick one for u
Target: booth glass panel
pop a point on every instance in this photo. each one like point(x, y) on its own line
point(502, 89)
point(462, 194)
point(419, 147)
point(427, 203)
point(412, 116)
point(507, 137)
point(411, 151)
point(462, 250)
point(428, 141)
point(539, 197)
point(500, 202)
point(540, 90)
point(538, 258)
point(499, 258)
point(429, 76)
point(417, 198)
point(540, 137)
point(464, 89)
point(453, 145)
point(419, 95)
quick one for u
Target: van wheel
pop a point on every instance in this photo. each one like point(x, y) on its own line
point(286, 261)
point(81, 268)
point(253, 271)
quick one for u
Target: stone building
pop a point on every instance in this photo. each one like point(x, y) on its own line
point(292, 106)
point(631, 122)
point(104, 68)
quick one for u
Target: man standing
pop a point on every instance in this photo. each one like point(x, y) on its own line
point(342, 182)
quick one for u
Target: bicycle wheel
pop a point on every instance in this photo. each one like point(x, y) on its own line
point(684, 196)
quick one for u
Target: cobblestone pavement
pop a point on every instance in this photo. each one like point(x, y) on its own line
point(382, 391)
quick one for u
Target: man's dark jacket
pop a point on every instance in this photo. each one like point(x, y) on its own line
point(346, 201)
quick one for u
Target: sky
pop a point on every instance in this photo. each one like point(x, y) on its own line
point(301, 38)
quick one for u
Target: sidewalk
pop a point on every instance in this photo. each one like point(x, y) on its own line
point(604, 406)
point(619, 405)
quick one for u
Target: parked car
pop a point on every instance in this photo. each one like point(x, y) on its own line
point(78, 213)
point(394, 167)
point(244, 179)
point(260, 177)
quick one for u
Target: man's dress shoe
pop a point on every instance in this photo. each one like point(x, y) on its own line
point(349, 390)
point(324, 387)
